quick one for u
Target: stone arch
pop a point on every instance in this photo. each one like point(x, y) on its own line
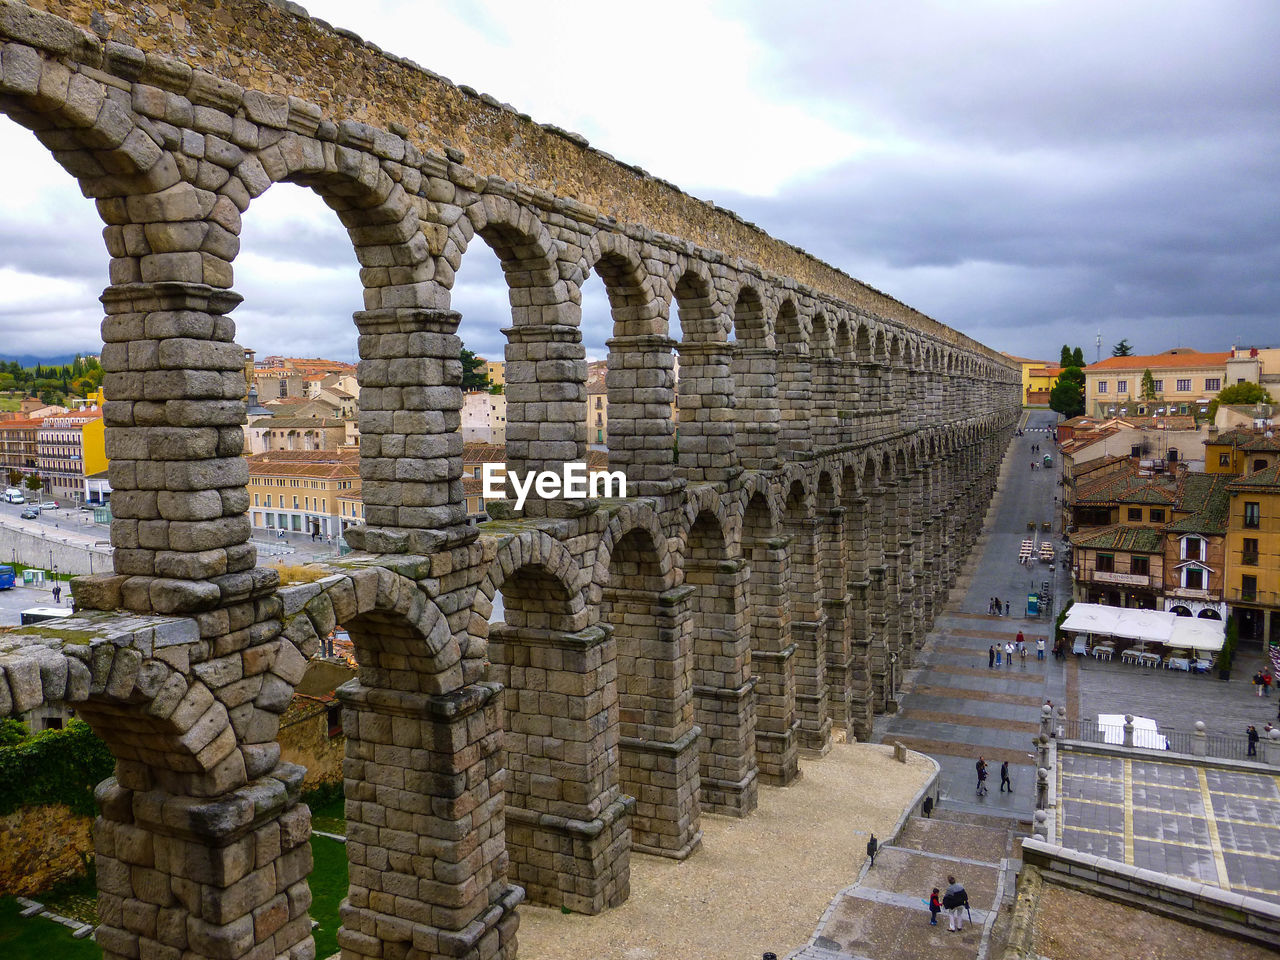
point(788, 329)
point(616, 259)
point(724, 692)
point(557, 671)
point(523, 246)
point(702, 319)
point(757, 419)
point(650, 621)
point(705, 434)
point(808, 626)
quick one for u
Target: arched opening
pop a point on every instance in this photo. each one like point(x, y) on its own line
point(704, 434)
point(659, 754)
point(1208, 613)
point(561, 746)
point(1180, 611)
point(756, 418)
point(772, 656)
point(795, 373)
point(298, 273)
point(857, 520)
point(833, 691)
point(807, 626)
point(482, 298)
point(724, 694)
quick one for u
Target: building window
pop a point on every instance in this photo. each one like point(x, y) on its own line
point(1135, 514)
point(1193, 578)
point(1249, 552)
point(1224, 459)
point(1122, 386)
point(1159, 385)
point(1191, 548)
point(1212, 384)
point(1184, 386)
point(1157, 515)
point(334, 716)
point(1252, 515)
point(1248, 588)
point(1259, 465)
point(1140, 565)
point(1106, 562)
point(1102, 386)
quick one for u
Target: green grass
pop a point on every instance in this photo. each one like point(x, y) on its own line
point(328, 887)
point(34, 938)
point(328, 814)
point(10, 403)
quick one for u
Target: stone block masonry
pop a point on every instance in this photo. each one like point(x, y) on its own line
point(768, 577)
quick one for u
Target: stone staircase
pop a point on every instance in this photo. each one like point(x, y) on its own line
point(885, 913)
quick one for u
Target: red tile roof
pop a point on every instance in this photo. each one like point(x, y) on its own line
point(1161, 361)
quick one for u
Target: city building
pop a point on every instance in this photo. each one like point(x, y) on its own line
point(69, 448)
point(484, 417)
point(304, 491)
point(1154, 541)
point(1185, 381)
point(298, 433)
point(597, 412)
point(1241, 451)
point(1158, 442)
point(1040, 381)
point(1028, 365)
point(496, 371)
point(1253, 553)
point(1260, 365)
point(18, 445)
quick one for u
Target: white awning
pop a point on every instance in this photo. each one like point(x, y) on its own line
point(1198, 634)
point(1152, 626)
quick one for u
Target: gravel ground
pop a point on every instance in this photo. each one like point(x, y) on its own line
point(757, 884)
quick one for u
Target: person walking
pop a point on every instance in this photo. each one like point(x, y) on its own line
point(872, 846)
point(57, 592)
point(954, 899)
point(1008, 653)
point(1266, 683)
point(1006, 608)
point(999, 654)
point(1004, 777)
point(1040, 648)
point(1018, 638)
point(982, 774)
point(991, 656)
point(1252, 734)
point(935, 907)
point(1257, 683)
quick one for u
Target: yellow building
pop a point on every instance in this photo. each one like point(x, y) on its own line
point(1185, 382)
point(1038, 382)
point(1253, 554)
point(1241, 451)
point(69, 448)
point(496, 372)
point(1027, 366)
point(307, 492)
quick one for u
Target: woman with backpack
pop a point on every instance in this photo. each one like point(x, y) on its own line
point(953, 901)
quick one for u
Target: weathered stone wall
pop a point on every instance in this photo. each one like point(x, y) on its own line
point(40, 846)
point(305, 741)
point(661, 654)
point(277, 49)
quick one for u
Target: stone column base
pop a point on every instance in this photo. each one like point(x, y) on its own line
point(580, 866)
point(663, 779)
point(728, 757)
point(491, 936)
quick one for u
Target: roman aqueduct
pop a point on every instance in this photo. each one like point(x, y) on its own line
point(660, 656)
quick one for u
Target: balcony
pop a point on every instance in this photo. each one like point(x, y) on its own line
point(1249, 559)
point(1187, 593)
point(1260, 598)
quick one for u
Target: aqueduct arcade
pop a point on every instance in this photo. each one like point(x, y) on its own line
point(771, 573)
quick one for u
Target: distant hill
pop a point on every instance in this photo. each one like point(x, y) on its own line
point(30, 359)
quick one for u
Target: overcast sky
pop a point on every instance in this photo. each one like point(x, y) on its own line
point(1027, 172)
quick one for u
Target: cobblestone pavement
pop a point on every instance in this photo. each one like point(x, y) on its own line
point(1215, 826)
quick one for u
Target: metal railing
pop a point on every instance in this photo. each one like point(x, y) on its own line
point(1175, 741)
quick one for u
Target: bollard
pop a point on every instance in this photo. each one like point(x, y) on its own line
point(899, 751)
point(1271, 748)
point(1042, 788)
point(1041, 828)
point(1199, 741)
point(1062, 721)
point(1046, 720)
point(1128, 729)
point(1042, 749)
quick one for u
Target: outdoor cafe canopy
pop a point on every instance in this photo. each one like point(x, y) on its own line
point(1151, 626)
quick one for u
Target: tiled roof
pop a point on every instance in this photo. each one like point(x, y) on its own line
point(1251, 441)
point(1119, 537)
point(1204, 497)
point(299, 423)
point(1161, 361)
point(1128, 488)
point(335, 467)
point(1270, 477)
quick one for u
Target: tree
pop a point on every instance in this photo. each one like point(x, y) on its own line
point(1148, 385)
point(16, 477)
point(1122, 349)
point(474, 376)
point(1065, 359)
point(1067, 396)
point(34, 483)
point(1077, 358)
point(1239, 393)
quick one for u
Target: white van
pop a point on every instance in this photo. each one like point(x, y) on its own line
point(14, 495)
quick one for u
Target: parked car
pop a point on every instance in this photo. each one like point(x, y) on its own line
point(31, 513)
point(87, 506)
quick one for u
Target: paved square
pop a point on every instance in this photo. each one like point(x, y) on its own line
point(1212, 825)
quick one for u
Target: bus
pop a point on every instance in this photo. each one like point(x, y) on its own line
point(8, 577)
